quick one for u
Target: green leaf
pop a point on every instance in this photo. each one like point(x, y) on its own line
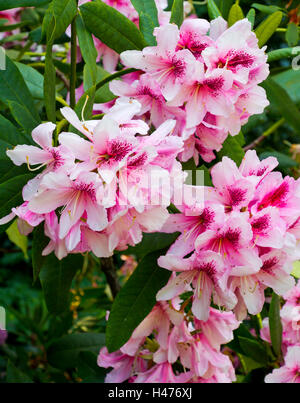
point(14, 375)
point(253, 349)
point(39, 243)
point(232, 149)
point(49, 84)
point(241, 331)
point(283, 53)
point(56, 277)
point(235, 14)
point(279, 98)
point(213, 10)
point(88, 370)
point(11, 193)
point(33, 79)
point(266, 9)
point(14, 89)
point(23, 116)
point(224, 7)
point(58, 17)
point(151, 243)
point(275, 324)
point(8, 4)
point(267, 28)
point(177, 13)
point(103, 94)
point(207, 177)
point(147, 7)
point(112, 27)
point(290, 81)
point(87, 48)
point(135, 301)
point(64, 353)
point(85, 104)
point(296, 269)
point(251, 16)
point(9, 138)
point(147, 28)
point(21, 241)
point(292, 34)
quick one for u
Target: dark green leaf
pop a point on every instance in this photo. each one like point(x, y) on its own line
point(135, 301)
point(14, 89)
point(8, 4)
point(88, 370)
point(14, 375)
point(39, 243)
point(11, 193)
point(253, 349)
point(112, 27)
point(177, 13)
point(49, 85)
point(279, 98)
point(64, 353)
point(275, 324)
point(56, 277)
point(23, 116)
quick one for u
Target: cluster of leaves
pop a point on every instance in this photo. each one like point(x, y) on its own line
point(55, 334)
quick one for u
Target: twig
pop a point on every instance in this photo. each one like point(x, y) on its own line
point(108, 268)
point(261, 138)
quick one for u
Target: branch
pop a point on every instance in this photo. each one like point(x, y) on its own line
point(261, 138)
point(108, 268)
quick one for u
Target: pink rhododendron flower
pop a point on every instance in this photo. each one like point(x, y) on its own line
point(209, 72)
point(248, 226)
point(290, 371)
point(167, 335)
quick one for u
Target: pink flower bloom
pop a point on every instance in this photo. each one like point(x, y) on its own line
point(206, 272)
point(205, 92)
point(232, 239)
point(162, 62)
point(54, 158)
point(290, 371)
point(81, 195)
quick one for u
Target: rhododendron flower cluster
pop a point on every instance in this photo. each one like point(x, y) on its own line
point(242, 240)
point(100, 190)
point(204, 75)
point(168, 338)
